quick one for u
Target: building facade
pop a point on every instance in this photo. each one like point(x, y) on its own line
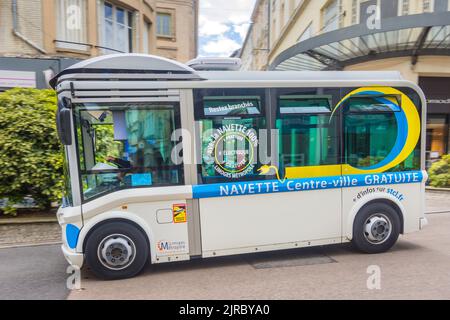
point(410, 36)
point(41, 37)
point(173, 16)
point(255, 50)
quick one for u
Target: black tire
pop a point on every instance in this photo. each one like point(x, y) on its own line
point(360, 236)
point(138, 260)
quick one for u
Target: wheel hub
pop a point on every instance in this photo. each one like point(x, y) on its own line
point(116, 252)
point(377, 229)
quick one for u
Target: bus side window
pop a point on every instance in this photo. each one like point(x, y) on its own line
point(370, 129)
point(230, 121)
point(307, 132)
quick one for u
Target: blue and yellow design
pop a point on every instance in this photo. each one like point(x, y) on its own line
point(305, 184)
point(340, 176)
point(408, 134)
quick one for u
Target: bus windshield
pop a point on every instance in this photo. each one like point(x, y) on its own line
point(126, 146)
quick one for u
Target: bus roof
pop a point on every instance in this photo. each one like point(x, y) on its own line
point(153, 67)
point(300, 75)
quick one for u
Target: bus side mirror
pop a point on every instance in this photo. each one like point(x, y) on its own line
point(63, 124)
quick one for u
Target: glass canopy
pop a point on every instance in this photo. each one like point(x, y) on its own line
point(415, 35)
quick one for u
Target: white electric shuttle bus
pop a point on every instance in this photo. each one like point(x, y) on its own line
point(165, 163)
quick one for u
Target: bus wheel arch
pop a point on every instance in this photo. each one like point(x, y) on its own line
point(116, 249)
point(109, 217)
point(397, 209)
point(385, 198)
point(123, 220)
point(377, 226)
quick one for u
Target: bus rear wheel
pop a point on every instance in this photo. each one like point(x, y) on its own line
point(116, 250)
point(376, 228)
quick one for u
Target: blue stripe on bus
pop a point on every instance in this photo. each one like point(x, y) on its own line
point(72, 233)
point(305, 184)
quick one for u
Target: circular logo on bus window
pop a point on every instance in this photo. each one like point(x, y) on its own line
point(232, 151)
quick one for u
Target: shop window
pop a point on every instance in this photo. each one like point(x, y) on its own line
point(437, 137)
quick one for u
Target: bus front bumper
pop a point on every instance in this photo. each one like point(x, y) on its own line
point(74, 258)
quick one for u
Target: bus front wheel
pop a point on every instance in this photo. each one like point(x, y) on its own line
point(116, 250)
point(376, 228)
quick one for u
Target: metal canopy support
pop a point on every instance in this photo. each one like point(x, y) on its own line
point(419, 44)
point(324, 59)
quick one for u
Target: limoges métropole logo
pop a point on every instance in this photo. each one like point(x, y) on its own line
point(232, 149)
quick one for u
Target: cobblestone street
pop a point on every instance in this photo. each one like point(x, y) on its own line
point(49, 233)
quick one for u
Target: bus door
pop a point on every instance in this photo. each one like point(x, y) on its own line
point(262, 189)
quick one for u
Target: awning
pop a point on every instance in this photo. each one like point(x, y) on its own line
point(413, 35)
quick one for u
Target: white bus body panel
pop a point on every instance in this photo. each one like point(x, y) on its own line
point(408, 198)
point(151, 209)
point(261, 222)
point(66, 216)
point(267, 221)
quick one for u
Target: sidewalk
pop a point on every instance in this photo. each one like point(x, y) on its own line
point(46, 218)
point(45, 229)
point(437, 201)
point(31, 229)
